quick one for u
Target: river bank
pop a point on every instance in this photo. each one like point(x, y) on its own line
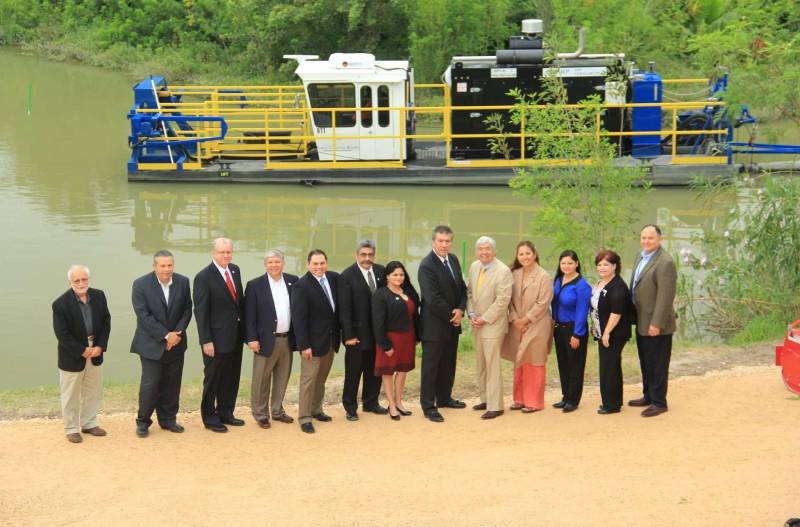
point(691, 360)
point(718, 457)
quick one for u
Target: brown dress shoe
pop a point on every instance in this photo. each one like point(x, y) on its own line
point(263, 422)
point(491, 414)
point(74, 437)
point(479, 406)
point(283, 418)
point(94, 431)
point(639, 402)
point(653, 410)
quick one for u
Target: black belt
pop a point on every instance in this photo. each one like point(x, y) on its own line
point(281, 334)
point(563, 324)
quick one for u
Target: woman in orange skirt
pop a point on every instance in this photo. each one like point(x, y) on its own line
point(530, 328)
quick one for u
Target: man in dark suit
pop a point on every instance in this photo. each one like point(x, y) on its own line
point(653, 285)
point(163, 308)
point(82, 325)
point(444, 299)
point(269, 336)
point(218, 310)
point(356, 285)
point(316, 329)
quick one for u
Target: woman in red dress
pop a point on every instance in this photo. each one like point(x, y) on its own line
point(395, 318)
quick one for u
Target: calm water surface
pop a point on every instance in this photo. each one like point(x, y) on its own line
point(64, 199)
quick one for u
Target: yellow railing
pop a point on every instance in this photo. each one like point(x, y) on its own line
point(275, 124)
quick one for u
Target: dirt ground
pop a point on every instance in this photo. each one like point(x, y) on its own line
point(725, 454)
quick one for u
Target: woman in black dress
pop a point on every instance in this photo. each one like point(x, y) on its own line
point(395, 318)
point(611, 327)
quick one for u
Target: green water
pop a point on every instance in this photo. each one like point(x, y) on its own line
point(64, 199)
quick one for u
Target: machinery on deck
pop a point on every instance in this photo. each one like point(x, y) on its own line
point(355, 112)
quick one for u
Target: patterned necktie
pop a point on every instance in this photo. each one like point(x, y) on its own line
point(480, 280)
point(324, 283)
point(370, 281)
point(230, 285)
point(447, 264)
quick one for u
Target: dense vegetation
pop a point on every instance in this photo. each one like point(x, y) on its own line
point(226, 40)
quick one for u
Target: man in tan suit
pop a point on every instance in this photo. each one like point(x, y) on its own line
point(488, 296)
point(653, 285)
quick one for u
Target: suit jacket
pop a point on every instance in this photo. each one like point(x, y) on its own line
point(261, 322)
point(218, 316)
point(616, 298)
point(389, 313)
point(654, 293)
point(441, 294)
point(491, 301)
point(530, 298)
point(315, 324)
point(70, 329)
point(355, 305)
point(155, 318)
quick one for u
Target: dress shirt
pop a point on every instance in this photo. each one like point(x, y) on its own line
point(280, 297)
point(571, 303)
point(366, 274)
point(222, 271)
point(323, 282)
point(86, 313)
point(446, 262)
point(642, 263)
point(165, 289)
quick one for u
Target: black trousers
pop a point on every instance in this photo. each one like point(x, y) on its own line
point(360, 364)
point(220, 385)
point(160, 389)
point(438, 372)
point(611, 374)
point(654, 356)
point(571, 363)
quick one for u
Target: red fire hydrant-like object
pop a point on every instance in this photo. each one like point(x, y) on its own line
point(788, 356)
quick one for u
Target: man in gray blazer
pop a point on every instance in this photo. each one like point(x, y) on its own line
point(163, 308)
point(653, 284)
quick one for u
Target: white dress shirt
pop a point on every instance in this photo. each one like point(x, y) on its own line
point(165, 289)
point(280, 297)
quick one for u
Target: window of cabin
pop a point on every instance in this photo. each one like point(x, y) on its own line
point(383, 102)
point(366, 102)
point(333, 95)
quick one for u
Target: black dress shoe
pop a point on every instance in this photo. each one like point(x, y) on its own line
point(603, 410)
point(569, 407)
point(351, 416)
point(141, 430)
point(377, 409)
point(233, 421)
point(434, 416)
point(322, 416)
point(479, 406)
point(308, 428)
point(653, 410)
point(453, 403)
point(560, 404)
point(216, 427)
point(174, 428)
point(639, 402)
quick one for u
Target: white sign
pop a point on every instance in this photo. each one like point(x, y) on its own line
point(461, 86)
point(589, 71)
point(504, 73)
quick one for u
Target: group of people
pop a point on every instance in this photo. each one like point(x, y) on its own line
point(515, 313)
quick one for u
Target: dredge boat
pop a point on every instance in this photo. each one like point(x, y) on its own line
point(356, 119)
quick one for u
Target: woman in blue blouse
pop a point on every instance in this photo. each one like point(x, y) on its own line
point(570, 306)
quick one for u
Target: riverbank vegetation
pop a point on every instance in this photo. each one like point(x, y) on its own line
point(223, 41)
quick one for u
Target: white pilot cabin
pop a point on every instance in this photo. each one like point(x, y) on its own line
point(368, 128)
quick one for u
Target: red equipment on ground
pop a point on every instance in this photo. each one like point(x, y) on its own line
point(788, 356)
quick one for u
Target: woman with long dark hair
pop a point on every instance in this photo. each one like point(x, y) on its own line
point(571, 297)
point(527, 342)
point(395, 319)
point(611, 327)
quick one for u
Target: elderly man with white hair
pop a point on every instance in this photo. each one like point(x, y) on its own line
point(488, 296)
point(82, 325)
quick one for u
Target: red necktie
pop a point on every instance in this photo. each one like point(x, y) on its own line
point(230, 285)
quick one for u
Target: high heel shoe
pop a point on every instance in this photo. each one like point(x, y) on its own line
point(394, 417)
point(404, 413)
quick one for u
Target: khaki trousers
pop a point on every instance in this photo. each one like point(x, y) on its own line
point(313, 374)
point(490, 376)
point(272, 371)
point(81, 395)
